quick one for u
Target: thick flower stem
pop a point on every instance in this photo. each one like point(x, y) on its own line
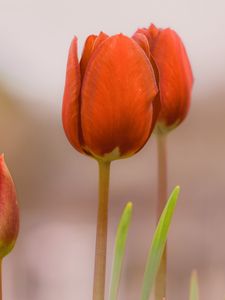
point(101, 235)
point(160, 283)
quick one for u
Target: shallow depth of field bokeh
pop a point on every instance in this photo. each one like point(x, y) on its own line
point(57, 186)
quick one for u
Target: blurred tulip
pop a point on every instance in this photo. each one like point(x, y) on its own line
point(109, 98)
point(174, 73)
point(9, 212)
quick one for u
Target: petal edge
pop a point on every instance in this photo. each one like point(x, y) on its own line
point(71, 99)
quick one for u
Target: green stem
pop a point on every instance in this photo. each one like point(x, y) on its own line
point(101, 234)
point(160, 283)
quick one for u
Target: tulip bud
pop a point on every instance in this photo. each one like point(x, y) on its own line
point(9, 212)
point(175, 74)
point(109, 97)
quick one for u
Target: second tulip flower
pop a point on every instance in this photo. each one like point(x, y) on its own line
point(173, 70)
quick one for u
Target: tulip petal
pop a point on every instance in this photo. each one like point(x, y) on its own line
point(156, 111)
point(71, 102)
point(91, 44)
point(117, 93)
point(101, 38)
point(142, 41)
point(144, 31)
point(175, 76)
point(88, 48)
point(153, 32)
point(9, 212)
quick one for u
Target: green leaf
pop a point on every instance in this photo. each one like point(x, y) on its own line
point(158, 244)
point(119, 250)
point(194, 290)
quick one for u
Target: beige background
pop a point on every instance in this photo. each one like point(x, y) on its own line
point(57, 187)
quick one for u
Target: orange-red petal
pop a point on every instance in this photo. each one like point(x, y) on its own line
point(100, 38)
point(117, 94)
point(153, 32)
point(175, 77)
point(87, 51)
point(141, 37)
point(144, 31)
point(91, 44)
point(142, 41)
point(71, 102)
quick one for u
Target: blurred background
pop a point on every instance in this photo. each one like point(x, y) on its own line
point(57, 187)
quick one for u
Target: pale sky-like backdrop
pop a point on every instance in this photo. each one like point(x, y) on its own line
point(35, 36)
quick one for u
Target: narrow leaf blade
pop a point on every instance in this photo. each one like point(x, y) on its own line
point(119, 249)
point(194, 289)
point(158, 244)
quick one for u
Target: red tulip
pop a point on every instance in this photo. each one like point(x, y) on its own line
point(174, 71)
point(9, 212)
point(109, 97)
